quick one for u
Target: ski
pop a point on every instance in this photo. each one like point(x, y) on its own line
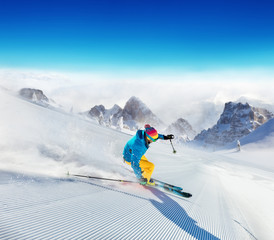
point(158, 184)
point(166, 185)
point(169, 189)
point(183, 194)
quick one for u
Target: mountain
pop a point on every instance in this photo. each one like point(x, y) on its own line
point(136, 114)
point(34, 95)
point(38, 97)
point(236, 121)
point(133, 116)
point(109, 117)
point(182, 130)
point(263, 135)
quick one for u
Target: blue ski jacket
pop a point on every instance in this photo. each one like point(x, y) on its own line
point(135, 148)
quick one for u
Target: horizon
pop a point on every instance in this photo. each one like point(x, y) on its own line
point(191, 99)
point(174, 56)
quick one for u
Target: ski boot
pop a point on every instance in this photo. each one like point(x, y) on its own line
point(150, 182)
point(145, 182)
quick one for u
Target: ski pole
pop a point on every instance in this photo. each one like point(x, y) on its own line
point(174, 151)
point(101, 178)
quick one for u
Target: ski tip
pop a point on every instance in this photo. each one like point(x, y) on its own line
point(186, 195)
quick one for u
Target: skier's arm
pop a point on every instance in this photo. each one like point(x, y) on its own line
point(165, 137)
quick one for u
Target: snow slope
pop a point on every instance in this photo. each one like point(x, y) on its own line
point(263, 135)
point(232, 197)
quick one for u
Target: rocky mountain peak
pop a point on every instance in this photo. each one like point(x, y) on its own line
point(97, 110)
point(238, 114)
point(182, 130)
point(105, 116)
point(33, 94)
point(36, 96)
point(136, 109)
point(236, 121)
point(133, 116)
point(115, 109)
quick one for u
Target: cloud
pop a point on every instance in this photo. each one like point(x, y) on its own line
point(170, 94)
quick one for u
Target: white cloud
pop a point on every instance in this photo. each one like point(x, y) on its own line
point(191, 95)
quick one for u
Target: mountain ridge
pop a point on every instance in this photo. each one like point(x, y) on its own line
point(236, 121)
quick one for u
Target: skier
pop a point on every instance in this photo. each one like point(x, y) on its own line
point(239, 145)
point(135, 149)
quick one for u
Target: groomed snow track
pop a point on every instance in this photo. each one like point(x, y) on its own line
point(70, 208)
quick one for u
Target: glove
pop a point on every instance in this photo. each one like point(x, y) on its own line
point(170, 136)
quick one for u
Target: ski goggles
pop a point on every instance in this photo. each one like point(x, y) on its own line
point(151, 138)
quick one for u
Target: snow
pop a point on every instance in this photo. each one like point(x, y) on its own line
point(263, 135)
point(233, 192)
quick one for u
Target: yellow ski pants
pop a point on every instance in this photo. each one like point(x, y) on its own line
point(146, 167)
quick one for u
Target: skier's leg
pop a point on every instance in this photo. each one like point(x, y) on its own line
point(146, 167)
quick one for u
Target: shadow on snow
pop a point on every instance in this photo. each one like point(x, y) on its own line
point(176, 214)
point(171, 210)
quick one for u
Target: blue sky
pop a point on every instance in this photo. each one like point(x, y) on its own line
point(137, 35)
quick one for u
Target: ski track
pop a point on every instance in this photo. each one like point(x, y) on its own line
point(86, 209)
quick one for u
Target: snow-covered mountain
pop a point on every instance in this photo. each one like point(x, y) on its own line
point(182, 130)
point(236, 121)
point(108, 117)
point(136, 114)
point(263, 136)
point(133, 116)
point(38, 97)
point(34, 95)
